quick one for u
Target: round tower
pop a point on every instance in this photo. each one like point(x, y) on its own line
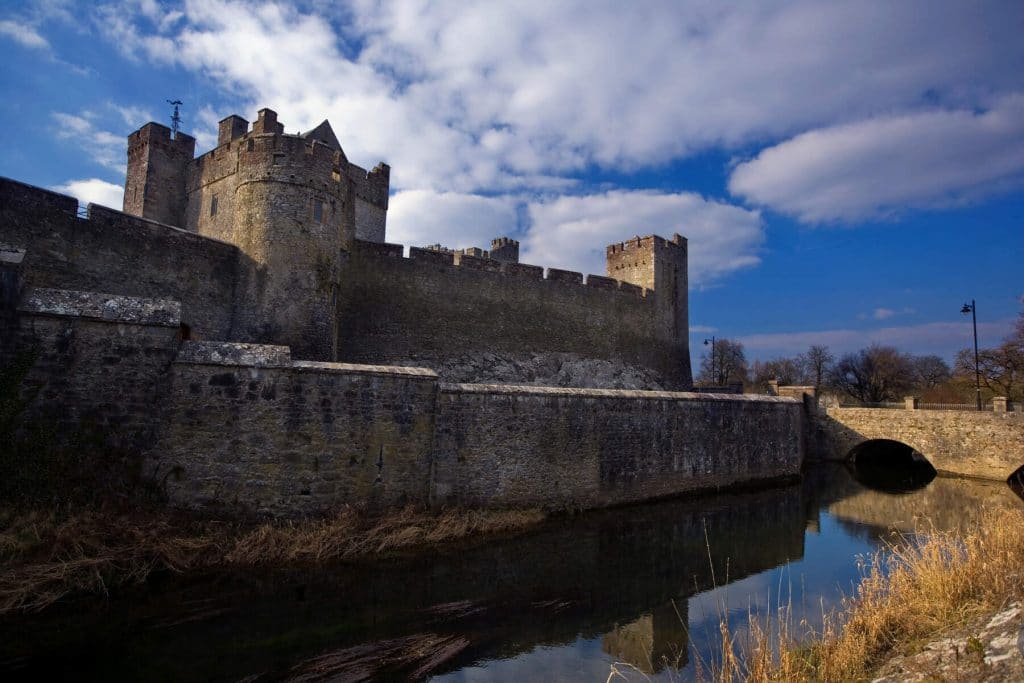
point(291, 217)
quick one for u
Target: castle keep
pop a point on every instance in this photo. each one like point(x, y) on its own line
point(246, 327)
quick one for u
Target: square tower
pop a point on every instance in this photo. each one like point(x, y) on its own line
point(155, 184)
point(660, 265)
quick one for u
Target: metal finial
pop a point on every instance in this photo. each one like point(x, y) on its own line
point(175, 118)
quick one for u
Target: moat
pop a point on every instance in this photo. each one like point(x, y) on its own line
point(644, 585)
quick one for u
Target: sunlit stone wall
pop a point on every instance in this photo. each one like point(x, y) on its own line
point(978, 444)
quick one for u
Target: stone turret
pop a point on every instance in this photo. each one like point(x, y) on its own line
point(660, 265)
point(505, 249)
point(155, 184)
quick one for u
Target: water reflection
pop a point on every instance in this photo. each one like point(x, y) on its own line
point(636, 584)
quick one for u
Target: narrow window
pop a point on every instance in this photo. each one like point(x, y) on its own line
point(213, 206)
point(248, 145)
point(318, 211)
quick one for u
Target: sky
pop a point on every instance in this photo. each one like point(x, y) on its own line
point(847, 173)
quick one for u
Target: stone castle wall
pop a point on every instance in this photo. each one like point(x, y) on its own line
point(99, 364)
point(305, 437)
point(430, 306)
point(369, 305)
point(113, 252)
point(247, 429)
point(544, 446)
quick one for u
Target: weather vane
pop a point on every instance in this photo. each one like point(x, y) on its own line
point(175, 117)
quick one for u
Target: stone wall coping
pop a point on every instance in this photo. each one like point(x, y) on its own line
point(234, 353)
point(530, 390)
point(977, 414)
point(98, 306)
point(12, 255)
point(349, 368)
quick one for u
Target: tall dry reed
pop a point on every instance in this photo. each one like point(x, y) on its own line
point(45, 557)
point(910, 591)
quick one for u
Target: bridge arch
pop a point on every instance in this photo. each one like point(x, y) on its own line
point(984, 444)
point(890, 465)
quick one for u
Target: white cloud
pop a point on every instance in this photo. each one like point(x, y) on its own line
point(871, 167)
point(572, 232)
point(93, 191)
point(883, 313)
point(23, 34)
point(105, 148)
point(421, 217)
point(462, 96)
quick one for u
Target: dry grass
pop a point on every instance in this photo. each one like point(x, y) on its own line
point(45, 557)
point(910, 592)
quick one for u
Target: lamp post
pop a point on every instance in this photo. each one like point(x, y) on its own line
point(714, 379)
point(972, 309)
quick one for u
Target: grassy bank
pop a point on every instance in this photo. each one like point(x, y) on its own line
point(45, 556)
point(911, 592)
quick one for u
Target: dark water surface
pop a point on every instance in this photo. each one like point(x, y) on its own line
point(643, 585)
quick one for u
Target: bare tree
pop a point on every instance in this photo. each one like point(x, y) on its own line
point(726, 364)
point(1001, 369)
point(816, 364)
point(785, 370)
point(874, 374)
point(930, 372)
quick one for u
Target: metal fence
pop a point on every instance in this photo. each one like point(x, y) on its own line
point(888, 404)
point(954, 406)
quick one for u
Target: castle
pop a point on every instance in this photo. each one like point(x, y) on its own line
point(314, 271)
point(243, 332)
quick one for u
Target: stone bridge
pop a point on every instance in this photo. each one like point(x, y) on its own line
point(987, 444)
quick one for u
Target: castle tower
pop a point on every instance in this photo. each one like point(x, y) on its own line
point(292, 215)
point(505, 249)
point(155, 184)
point(291, 203)
point(660, 265)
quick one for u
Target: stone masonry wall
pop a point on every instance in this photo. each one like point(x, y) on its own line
point(99, 363)
point(250, 430)
point(524, 446)
point(427, 307)
point(977, 444)
point(121, 254)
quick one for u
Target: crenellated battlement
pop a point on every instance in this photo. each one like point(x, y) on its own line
point(456, 261)
point(648, 243)
point(156, 134)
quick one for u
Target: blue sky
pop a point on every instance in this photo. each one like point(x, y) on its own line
point(846, 172)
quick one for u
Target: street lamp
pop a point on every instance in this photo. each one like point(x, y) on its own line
point(714, 379)
point(973, 310)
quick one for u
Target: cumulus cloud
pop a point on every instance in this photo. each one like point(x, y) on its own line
point(572, 231)
point(868, 168)
point(23, 34)
point(93, 191)
point(421, 217)
point(463, 96)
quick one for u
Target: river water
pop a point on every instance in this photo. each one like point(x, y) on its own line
point(641, 588)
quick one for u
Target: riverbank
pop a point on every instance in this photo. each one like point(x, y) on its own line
point(938, 605)
point(46, 556)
